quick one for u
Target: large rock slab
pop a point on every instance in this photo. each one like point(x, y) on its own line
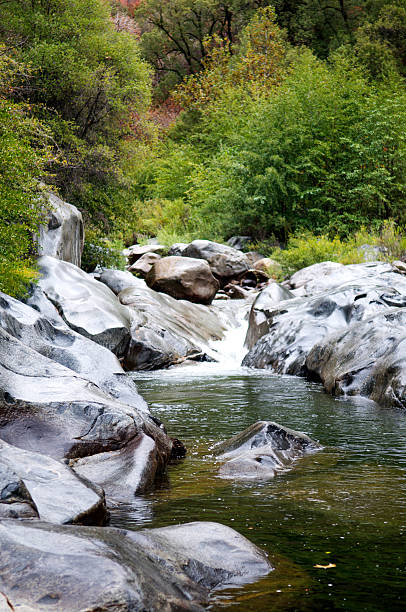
point(46, 567)
point(184, 279)
point(261, 450)
point(329, 275)
point(368, 359)
point(40, 327)
point(33, 485)
point(298, 324)
point(165, 331)
point(85, 305)
point(225, 262)
point(47, 408)
point(260, 315)
point(62, 233)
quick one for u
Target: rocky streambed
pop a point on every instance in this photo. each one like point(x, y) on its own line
point(79, 445)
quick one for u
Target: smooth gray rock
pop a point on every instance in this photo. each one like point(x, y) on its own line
point(177, 248)
point(261, 450)
point(367, 359)
point(52, 338)
point(47, 408)
point(184, 279)
point(225, 262)
point(329, 275)
point(118, 280)
point(33, 485)
point(136, 251)
point(45, 567)
point(260, 316)
point(165, 331)
point(298, 324)
point(86, 305)
point(62, 233)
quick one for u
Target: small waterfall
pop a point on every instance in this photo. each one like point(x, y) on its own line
point(230, 351)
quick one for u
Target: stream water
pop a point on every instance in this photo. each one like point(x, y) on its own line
point(344, 506)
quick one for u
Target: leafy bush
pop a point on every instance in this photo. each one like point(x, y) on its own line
point(99, 251)
point(23, 155)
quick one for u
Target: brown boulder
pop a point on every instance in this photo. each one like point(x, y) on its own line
point(184, 279)
point(144, 264)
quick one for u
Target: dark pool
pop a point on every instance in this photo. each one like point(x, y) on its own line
point(344, 506)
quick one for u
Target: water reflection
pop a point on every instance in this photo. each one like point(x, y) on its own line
point(344, 506)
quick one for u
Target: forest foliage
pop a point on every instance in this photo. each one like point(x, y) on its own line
point(201, 118)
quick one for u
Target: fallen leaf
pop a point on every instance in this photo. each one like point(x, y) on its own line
point(325, 566)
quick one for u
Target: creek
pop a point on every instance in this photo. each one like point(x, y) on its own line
point(343, 507)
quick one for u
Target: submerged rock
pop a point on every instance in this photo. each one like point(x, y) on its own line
point(368, 359)
point(86, 305)
point(225, 262)
point(62, 233)
point(84, 568)
point(261, 450)
point(184, 279)
point(33, 485)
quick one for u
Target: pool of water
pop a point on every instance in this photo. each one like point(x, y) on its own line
point(344, 506)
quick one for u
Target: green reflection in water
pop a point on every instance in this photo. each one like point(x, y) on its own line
point(345, 505)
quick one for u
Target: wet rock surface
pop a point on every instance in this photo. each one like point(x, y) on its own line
point(368, 359)
point(297, 325)
point(183, 278)
point(261, 450)
point(85, 305)
point(33, 485)
point(260, 316)
point(45, 567)
point(165, 331)
point(62, 233)
point(225, 262)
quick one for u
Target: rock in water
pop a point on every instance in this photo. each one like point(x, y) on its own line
point(296, 325)
point(62, 234)
point(260, 315)
point(165, 331)
point(47, 408)
point(368, 359)
point(86, 305)
point(225, 262)
point(84, 568)
point(33, 485)
point(184, 279)
point(261, 450)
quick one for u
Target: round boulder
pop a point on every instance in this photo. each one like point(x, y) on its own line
point(225, 262)
point(184, 279)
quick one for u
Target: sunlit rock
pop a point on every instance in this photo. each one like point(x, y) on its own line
point(225, 262)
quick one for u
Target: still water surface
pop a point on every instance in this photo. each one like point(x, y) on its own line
point(345, 505)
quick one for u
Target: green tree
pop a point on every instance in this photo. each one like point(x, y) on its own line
point(175, 32)
point(23, 156)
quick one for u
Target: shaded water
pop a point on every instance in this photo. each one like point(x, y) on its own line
point(345, 505)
